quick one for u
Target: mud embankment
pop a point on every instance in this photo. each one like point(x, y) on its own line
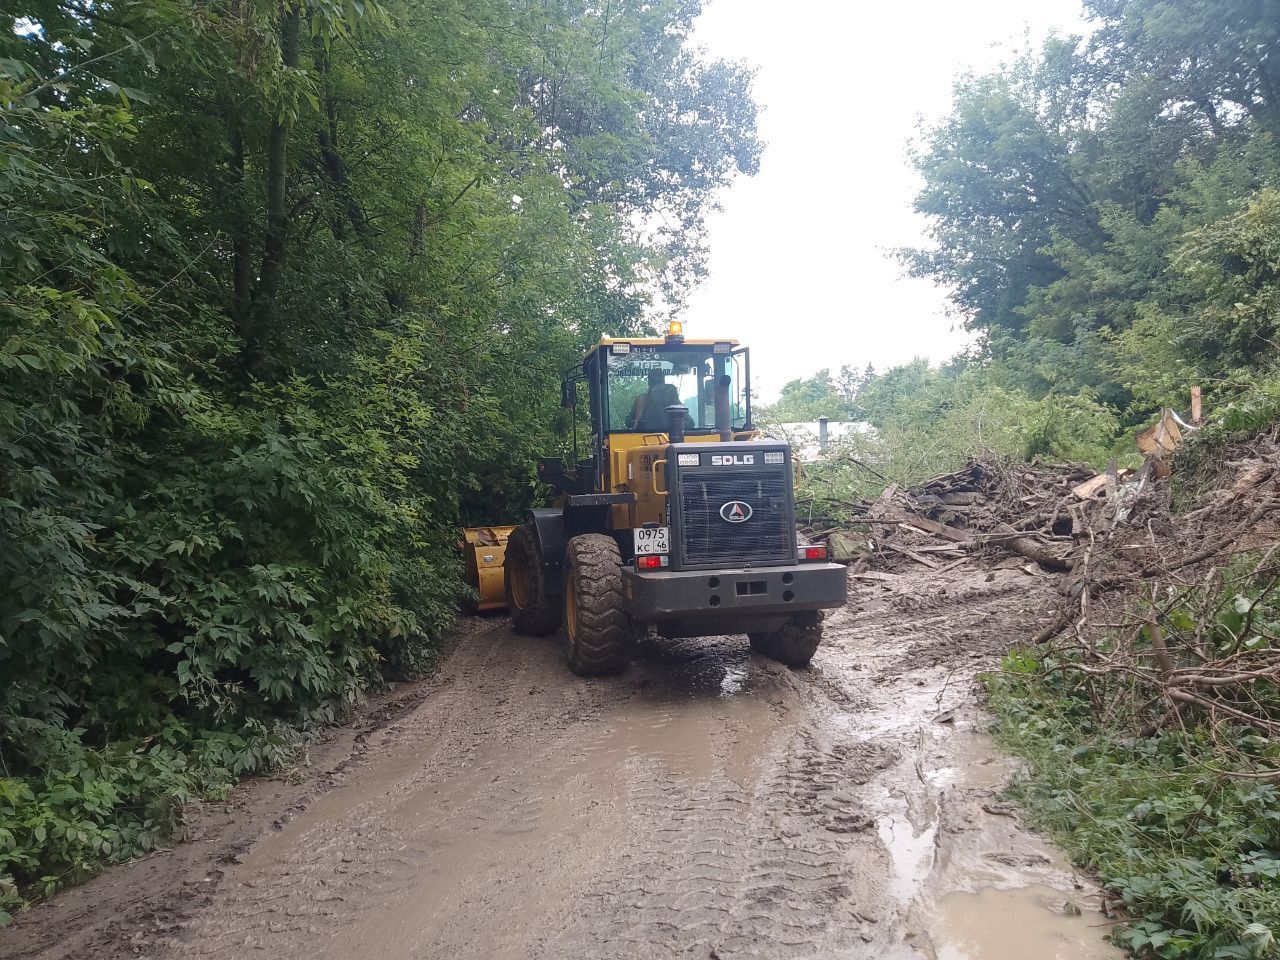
point(708, 804)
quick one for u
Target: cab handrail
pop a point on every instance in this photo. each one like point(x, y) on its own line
point(653, 478)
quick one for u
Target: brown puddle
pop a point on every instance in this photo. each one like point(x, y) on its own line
point(1028, 923)
point(968, 881)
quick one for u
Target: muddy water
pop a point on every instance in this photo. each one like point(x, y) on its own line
point(966, 881)
point(707, 804)
point(1014, 924)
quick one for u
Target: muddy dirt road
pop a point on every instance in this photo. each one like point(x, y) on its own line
point(706, 804)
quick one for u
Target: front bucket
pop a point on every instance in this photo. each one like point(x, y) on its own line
point(485, 549)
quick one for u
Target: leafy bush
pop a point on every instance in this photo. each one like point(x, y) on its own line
point(1192, 854)
point(114, 803)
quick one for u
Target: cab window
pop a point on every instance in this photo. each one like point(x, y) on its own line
point(644, 381)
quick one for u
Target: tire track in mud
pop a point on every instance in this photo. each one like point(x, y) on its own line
point(462, 772)
point(708, 803)
point(672, 819)
point(718, 870)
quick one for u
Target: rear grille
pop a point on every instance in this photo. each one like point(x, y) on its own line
point(708, 538)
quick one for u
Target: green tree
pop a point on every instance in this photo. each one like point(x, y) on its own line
point(1064, 190)
point(822, 395)
point(1002, 179)
point(286, 288)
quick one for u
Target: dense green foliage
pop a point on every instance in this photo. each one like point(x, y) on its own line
point(285, 290)
point(1106, 216)
point(1105, 212)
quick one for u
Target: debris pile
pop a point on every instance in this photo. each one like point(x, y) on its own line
point(1045, 513)
point(1050, 514)
point(1162, 613)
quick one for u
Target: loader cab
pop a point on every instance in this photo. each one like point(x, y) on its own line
point(628, 383)
point(631, 375)
point(632, 381)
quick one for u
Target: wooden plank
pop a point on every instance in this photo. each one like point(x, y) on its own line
point(917, 557)
point(1161, 438)
point(925, 525)
point(1197, 409)
point(1090, 488)
point(876, 575)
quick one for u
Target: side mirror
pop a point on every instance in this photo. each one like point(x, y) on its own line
point(568, 395)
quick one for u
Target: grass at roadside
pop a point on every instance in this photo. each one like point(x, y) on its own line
point(1184, 839)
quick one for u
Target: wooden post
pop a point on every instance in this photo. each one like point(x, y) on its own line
point(1196, 411)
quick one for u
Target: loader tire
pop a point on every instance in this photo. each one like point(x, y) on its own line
point(595, 621)
point(533, 613)
point(794, 643)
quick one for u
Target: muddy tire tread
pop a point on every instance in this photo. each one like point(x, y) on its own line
point(594, 563)
point(794, 643)
point(542, 617)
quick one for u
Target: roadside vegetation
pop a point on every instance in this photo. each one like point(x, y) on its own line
point(286, 289)
point(1173, 803)
point(1149, 716)
point(1106, 214)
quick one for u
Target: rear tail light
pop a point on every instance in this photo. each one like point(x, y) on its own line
point(653, 562)
point(813, 553)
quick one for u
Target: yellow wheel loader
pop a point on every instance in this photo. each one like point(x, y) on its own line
point(678, 521)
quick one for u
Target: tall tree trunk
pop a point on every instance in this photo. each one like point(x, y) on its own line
point(330, 153)
point(241, 252)
point(277, 233)
point(1268, 113)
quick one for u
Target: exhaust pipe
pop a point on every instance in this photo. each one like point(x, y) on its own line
point(675, 422)
point(724, 424)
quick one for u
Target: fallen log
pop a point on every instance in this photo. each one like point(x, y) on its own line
point(1025, 546)
point(1012, 540)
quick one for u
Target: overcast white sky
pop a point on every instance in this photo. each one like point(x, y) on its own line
point(798, 264)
